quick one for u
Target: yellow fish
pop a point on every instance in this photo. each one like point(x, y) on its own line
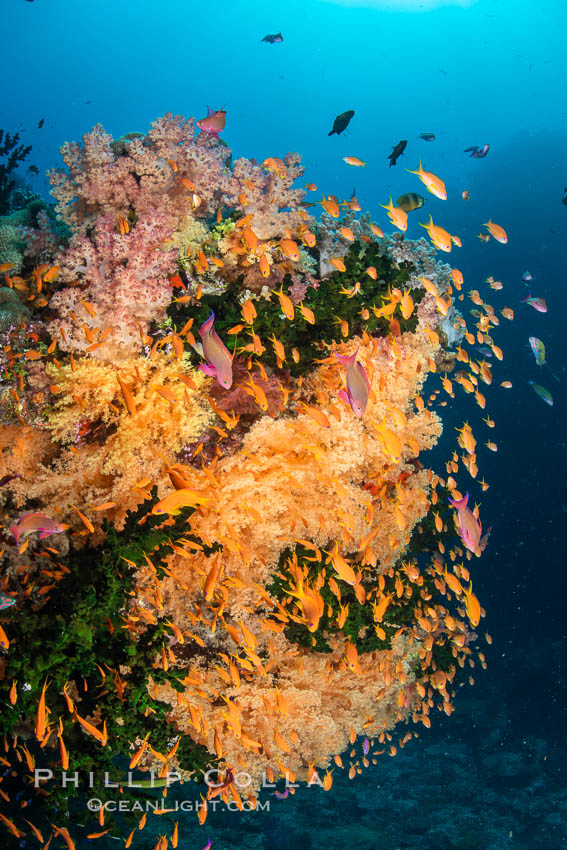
point(431, 182)
point(353, 160)
point(440, 237)
point(183, 498)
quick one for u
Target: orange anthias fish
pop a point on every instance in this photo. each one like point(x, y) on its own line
point(285, 303)
point(496, 231)
point(397, 215)
point(353, 160)
point(431, 182)
point(214, 123)
point(275, 165)
point(470, 529)
point(31, 522)
point(289, 249)
point(311, 603)
point(184, 498)
point(331, 207)
point(440, 237)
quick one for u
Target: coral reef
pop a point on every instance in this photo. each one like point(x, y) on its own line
point(247, 570)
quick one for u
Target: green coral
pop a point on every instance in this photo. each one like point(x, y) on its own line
point(84, 633)
point(12, 311)
point(11, 243)
point(327, 302)
point(359, 625)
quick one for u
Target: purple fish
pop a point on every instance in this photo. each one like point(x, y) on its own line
point(217, 355)
point(214, 123)
point(478, 152)
point(208, 845)
point(365, 746)
point(537, 303)
point(357, 381)
point(470, 529)
point(281, 795)
point(527, 277)
point(31, 522)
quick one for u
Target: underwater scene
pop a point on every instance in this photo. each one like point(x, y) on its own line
point(282, 425)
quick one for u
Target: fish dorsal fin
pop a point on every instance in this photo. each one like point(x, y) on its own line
point(210, 111)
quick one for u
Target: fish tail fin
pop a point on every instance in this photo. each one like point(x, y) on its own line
point(460, 503)
point(16, 532)
point(346, 359)
point(207, 326)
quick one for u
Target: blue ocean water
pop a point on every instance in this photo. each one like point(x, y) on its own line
point(493, 775)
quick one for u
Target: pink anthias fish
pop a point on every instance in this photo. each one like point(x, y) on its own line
point(31, 522)
point(469, 526)
point(217, 355)
point(537, 303)
point(357, 381)
point(214, 123)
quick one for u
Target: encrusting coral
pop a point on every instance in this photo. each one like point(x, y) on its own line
point(262, 526)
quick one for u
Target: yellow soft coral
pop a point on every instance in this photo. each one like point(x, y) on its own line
point(100, 451)
point(294, 479)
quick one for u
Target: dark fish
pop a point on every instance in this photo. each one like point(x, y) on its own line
point(273, 39)
point(410, 201)
point(564, 198)
point(427, 137)
point(397, 151)
point(32, 170)
point(7, 478)
point(484, 540)
point(476, 152)
point(41, 123)
point(341, 122)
